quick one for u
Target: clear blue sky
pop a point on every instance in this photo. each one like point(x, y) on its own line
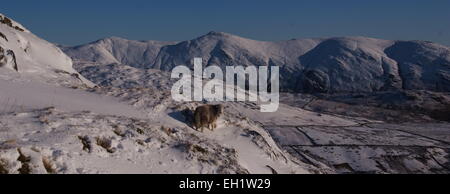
point(73, 22)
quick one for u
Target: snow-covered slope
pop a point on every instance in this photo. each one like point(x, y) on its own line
point(329, 143)
point(128, 124)
point(117, 50)
point(346, 64)
point(127, 128)
point(24, 56)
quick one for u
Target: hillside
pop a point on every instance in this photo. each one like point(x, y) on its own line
point(53, 120)
point(322, 65)
point(26, 57)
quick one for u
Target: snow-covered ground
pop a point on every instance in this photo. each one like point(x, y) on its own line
point(125, 130)
point(54, 120)
point(26, 57)
point(80, 132)
point(17, 96)
point(86, 142)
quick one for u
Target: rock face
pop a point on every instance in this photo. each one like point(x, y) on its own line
point(8, 59)
point(328, 65)
point(11, 59)
point(32, 58)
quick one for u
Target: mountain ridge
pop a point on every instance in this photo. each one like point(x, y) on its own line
point(323, 65)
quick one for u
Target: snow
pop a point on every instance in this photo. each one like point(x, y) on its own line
point(117, 50)
point(26, 96)
point(37, 59)
point(337, 64)
point(125, 121)
point(14, 23)
point(140, 145)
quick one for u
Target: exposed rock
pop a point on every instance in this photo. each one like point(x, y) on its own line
point(5, 20)
point(3, 36)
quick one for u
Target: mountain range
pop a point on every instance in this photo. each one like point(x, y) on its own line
point(317, 65)
point(107, 108)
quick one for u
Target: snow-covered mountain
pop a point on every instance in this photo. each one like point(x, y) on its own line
point(117, 50)
point(24, 56)
point(345, 64)
point(130, 123)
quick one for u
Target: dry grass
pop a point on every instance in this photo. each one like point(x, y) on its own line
point(11, 143)
point(140, 131)
point(48, 165)
point(43, 117)
point(4, 166)
point(118, 132)
point(169, 131)
point(87, 144)
point(197, 148)
point(2, 56)
point(25, 169)
point(44, 120)
point(106, 144)
point(140, 142)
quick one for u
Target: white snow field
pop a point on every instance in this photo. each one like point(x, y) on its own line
point(80, 132)
point(117, 116)
point(51, 123)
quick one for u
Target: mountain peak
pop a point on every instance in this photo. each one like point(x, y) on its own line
point(111, 38)
point(115, 38)
point(214, 33)
point(364, 64)
point(218, 34)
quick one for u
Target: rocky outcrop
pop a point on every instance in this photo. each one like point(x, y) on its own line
point(8, 59)
point(5, 20)
point(3, 36)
